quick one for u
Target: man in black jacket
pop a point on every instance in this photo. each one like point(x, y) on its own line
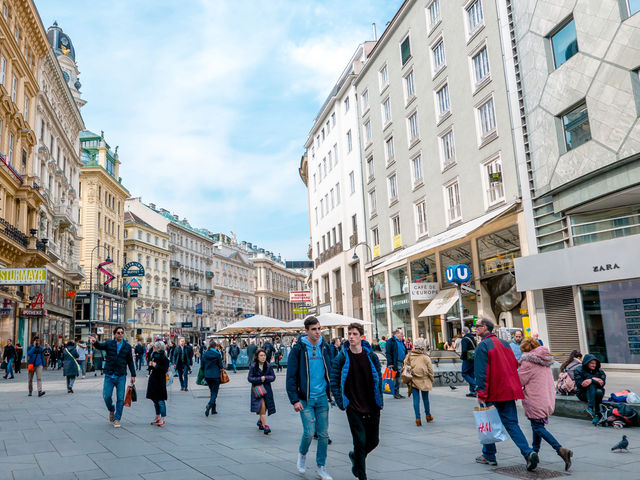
point(9, 356)
point(468, 346)
point(396, 351)
point(139, 351)
point(118, 357)
point(182, 359)
point(234, 352)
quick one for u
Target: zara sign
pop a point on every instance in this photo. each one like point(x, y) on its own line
point(458, 274)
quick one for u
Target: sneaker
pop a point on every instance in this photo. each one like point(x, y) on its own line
point(532, 461)
point(471, 395)
point(155, 421)
point(398, 396)
point(260, 426)
point(207, 410)
point(566, 455)
point(267, 430)
point(41, 393)
point(322, 474)
point(161, 423)
point(116, 423)
point(595, 420)
point(590, 412)
point(30, 394)
point(111, 415)
point(353, 463)
point(302, 459)
point(484, 461)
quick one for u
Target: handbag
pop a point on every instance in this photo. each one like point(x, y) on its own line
point(388, 385)
point(30, 367)
point(200, 380)
point(259, 391)
point(406, 375)
point(3, 365)
point(489, 425)
point(131, 395)
point(224, 376)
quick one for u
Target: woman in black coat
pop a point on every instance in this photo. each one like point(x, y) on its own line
point(157, 385)
point(261, 375)
point(71, 369)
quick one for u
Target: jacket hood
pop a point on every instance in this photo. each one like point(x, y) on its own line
point(366, 346)
point(304, 338)
point(587, 358)
point(539, 356)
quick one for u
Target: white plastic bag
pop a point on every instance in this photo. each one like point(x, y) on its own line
point(489, 425)
point(633, 398)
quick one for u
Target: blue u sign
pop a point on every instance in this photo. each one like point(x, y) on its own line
point(458, 273)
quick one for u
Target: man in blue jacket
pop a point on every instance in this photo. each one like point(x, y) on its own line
point(396, 351)
point(118, 356)
point(308, 389)
point(356, 384)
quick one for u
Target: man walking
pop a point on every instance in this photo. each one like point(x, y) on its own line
point(82, 358)
point(234, 352)
point(356, 384)
point(18, 365)
point(267, 346)
point(518, 336)
point(35, 358)
point(139, 351)
point(9, 356)
point(308, 389)
point(182, 360)
point(278, 352)
point(468, 346)
point(117, 358)
point(251, 351)
point(498, 384)
point(395, 353)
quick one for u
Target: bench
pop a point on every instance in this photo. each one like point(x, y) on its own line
point(571, 407)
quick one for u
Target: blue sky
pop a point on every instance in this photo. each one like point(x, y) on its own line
point(210, 102)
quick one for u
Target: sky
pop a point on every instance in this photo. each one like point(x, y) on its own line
point(211, 101)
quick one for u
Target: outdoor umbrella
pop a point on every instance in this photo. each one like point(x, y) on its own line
point(338, 320)
point(255, 324)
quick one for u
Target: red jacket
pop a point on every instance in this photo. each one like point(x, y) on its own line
point(496, 371)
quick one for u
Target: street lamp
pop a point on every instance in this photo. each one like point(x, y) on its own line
point(373, 302)
point(91, 294)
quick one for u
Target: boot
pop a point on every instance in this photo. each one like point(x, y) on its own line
point(566, 455)
point(429, 419)
point(418, 422)
point(213, 410)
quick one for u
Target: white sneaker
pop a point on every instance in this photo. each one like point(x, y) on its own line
point(301, 462)
point(323, 474)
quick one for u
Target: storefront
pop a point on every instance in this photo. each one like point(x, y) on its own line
point(108, 311)
point(380, 305)
point(400, 303)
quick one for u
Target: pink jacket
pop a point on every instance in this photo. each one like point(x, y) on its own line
point(537, 382)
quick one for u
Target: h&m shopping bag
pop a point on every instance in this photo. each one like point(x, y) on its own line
point(489, 425)
point(388, 386)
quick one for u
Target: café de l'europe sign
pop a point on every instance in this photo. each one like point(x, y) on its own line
point(23, 276)
point(423, 290)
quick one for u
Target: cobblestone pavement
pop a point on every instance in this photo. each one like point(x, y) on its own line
point(67, 436)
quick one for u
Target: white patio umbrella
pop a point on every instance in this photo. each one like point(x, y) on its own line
point(255, 324)
point(338, 320)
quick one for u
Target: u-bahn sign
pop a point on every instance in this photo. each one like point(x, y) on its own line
point(133, 269)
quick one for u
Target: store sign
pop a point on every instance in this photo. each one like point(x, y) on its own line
point(5, 312)
point(423, 290)
point(205, 329)
point(100, 330)
point(300, 296)
point(187, 324)
point(23, 276)
point(376, 251)
point(397, 241)
point(401, 303)
point(300, 310)
point(499, 263)
point(33, 312)
point(133, 269)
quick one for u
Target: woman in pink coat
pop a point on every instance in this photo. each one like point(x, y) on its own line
point(539, 395)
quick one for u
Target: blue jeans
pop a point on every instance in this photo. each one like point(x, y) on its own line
point(83, 367)
point(540, 433)
point(214, 386)
point(415, 393)
point(183, 374)
point(468, 374)
point(119, 383)
point(161, 407)
point(9, 370)
point(509, 417)
point(70, 381)
point(315, 419)
point(233, 364)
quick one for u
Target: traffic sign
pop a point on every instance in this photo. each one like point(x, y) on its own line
point(458, 273)
point(134, 283)
point(467, 288)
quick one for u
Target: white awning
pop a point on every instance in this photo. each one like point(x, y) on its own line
point(441, 304)
point(456, 233)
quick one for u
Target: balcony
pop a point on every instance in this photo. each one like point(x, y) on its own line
point(209, 292)
point(353, 240)
point(208, 274)
point(175, 264)
point(329, 253)
point(63, 215)
point(194, 288)
point(5, 165)
point(175, 284)
point(13, 233)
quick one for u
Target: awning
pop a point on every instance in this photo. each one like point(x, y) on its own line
point(441, 304)
point(456, 233)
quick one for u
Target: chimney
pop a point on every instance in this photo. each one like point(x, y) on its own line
point(375, 34)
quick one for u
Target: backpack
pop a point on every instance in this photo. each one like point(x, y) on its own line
point(620, 396)
point(565, 384)
point(617, 417)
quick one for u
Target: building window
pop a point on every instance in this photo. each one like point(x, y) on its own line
point(14, 90)
point(375, 237)
point(370, 168)
point(392, 183)
point(452, 202)
point(405, 50)
point(634, 6)
point(577, 129)
point(3, 68)
point(564, 43)
point(337, 193)
point(448, 149)
point(10, 148)
point(330, 160)
point(328, 127)
point(433, 14)
point(367, 131)
point(437, 56)
point(365, 100)
point(494, 181)
point(335, 153)
point(26, 108)
point(480, 63)
point(395, 226)
point(409, 86)
point(443, 102)
point(416, 170)
point(386, 111)
point(139, 234)
point(324, 166)
point(346, 105)
point(413, 127)
point(421, 218)
point(384, 77)
point(333, 204)
point(352, 182)
point(321, 208)
point(372, 201)
point(475, 17)
point(333, 119)
point(487, 118)
point(389, 150)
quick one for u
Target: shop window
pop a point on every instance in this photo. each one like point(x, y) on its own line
point(400, 303)
point(424, 270)
point(497, 251)
point(377, 291)
point(455, 256)
point(592, 227)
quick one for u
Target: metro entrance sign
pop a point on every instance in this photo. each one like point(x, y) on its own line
point(300, 296)
point(459, 274)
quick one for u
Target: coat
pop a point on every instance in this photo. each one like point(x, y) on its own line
point(211, 363)
point(35, 356)
point(69, 362)
point(117, 363)
point(582, 374)
point(421, 370)
point(496, 371)
point(157, 385)
point(255, 378)
point(393, 351)
point(298, 370)
point(340, 371)
point(537, 382)
point(178, 356)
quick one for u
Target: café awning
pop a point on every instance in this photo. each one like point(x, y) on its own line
point(441, 304)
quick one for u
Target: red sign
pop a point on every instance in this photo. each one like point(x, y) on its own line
point(109, 275)
point(71, 294)
point(38, 302)
point(300, 296)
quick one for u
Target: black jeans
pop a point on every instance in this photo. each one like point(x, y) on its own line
point(214, 385)
point(365, 430)
point(593, 395)
point(183, 374)
point(138, 362)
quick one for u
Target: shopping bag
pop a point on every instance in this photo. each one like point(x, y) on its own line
point(388, 385)
point(127, 397)
point(489, 425)
point(170, 373)
point(200, 380)
point(134, 393)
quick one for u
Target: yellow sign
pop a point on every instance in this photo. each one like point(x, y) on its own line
point(376, 251)
point(23, 276)
point(397, 241)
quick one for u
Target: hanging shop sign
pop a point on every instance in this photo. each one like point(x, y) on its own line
point(23, 276)
point(300, 296)
point(300, 310)
point(133, 269)
point(424, 290)
point(33, 312)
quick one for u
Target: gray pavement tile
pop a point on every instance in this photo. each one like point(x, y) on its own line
point(262, 471)
point(53, 463)
point(27, 473)
point(189, 473)
point(67, 447)
point(34, 446)
point(96, 474)
point(128, 447)
point(127, 466)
